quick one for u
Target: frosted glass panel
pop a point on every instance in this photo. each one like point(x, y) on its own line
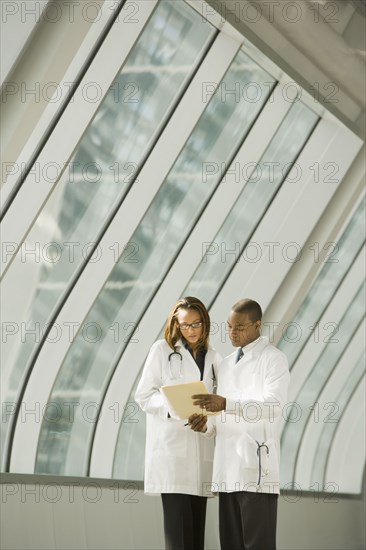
point(339, 260)
point(252, 203)
point(99, 174)
point(212, 272)
point(309, 393)
point(141, 269)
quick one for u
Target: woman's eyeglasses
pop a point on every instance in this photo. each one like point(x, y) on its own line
point(186, 326)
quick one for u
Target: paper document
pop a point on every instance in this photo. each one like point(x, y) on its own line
point(180, 400)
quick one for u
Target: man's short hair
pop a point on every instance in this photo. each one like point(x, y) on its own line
point(250, 307)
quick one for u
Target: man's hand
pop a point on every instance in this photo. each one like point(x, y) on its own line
point(198, 422)
point(210, 402)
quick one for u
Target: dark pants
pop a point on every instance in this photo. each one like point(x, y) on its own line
point(247, 521)
point(184, 521)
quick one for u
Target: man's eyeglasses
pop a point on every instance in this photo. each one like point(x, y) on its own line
point(185, 326)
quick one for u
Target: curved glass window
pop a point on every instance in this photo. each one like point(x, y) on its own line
point(129, 456)
point(317, 300)
point(98, 176)
point(309, 393)
point(140, 270)
point(329, 428)
point(212, 272)
point(252, 203)
point(339, 260)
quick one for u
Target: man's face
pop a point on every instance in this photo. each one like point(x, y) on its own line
point(242, 330)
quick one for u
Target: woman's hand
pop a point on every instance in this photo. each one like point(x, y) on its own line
point(198, 423)
point(210, 401)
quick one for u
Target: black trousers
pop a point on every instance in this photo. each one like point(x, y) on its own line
point(247, 521)
point(184, 521)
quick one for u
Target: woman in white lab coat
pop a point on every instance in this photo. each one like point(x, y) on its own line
point(178, 460)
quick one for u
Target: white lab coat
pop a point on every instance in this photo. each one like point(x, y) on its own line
point(256, 390)
point(177, 459)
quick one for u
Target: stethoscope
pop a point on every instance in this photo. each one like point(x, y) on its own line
point(172, 377)
point(261, 472)
point(180, 364)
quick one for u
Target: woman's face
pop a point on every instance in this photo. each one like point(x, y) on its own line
point(185, 319)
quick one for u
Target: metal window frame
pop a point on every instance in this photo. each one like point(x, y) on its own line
point(348, 467)
point(49, 118)
point(340, 142)
point(33, 194)
point(314, 430)
point(180, 118)
point(333, 313)
point(94, 276)
point(281, 221)
point(330, 228)
point(107, 431)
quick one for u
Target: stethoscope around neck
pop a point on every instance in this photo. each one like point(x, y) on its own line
point(171, 360)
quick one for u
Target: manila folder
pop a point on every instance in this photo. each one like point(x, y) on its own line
point(180, 400)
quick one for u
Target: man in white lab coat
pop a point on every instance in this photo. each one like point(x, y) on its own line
point(251, 391)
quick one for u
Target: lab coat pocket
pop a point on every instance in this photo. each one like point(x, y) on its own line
point(246, 448)
point(257, 454)
point(171, 439)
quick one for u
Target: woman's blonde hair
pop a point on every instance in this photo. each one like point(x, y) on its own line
point(172, 331)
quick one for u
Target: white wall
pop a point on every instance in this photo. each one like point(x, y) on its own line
point(92, 514)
